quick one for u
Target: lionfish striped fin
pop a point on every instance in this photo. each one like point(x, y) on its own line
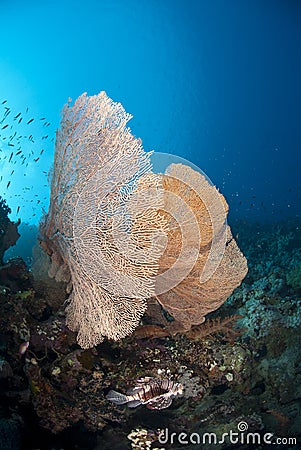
point(117, 397)
point(134, 390)
point(134, 403)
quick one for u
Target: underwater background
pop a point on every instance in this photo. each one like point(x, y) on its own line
point(216, 83)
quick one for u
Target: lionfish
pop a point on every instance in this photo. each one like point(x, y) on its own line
point(154, 393)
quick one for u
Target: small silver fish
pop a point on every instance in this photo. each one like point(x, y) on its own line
point(154, 393)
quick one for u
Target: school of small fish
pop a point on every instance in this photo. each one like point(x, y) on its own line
point(20, 149)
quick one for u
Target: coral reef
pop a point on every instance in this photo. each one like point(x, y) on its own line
point(8, 229)
point(224, 327)
point(245, 375)
point(142, 439)
point(243, 365)
point(293, 277)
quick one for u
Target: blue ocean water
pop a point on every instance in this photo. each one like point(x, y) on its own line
point(217, 83)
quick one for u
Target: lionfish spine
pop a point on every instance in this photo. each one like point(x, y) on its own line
point(167, 385)
point(154, 389)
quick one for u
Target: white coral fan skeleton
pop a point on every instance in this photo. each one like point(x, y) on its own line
point(99, 230)
point(120, 235)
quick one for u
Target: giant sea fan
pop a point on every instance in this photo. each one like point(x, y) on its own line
point(91, 232)
point(216, 267)
point(119, 235)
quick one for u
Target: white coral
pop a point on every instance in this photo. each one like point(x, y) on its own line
point(102, 220)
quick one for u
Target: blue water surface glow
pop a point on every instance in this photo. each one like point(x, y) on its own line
point(215, 82)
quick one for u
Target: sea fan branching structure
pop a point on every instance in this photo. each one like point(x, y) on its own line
point(102, 220)
point(216, 265)
point(122, 237)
